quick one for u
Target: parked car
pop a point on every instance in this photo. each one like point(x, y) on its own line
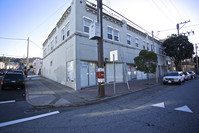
point(187, 75)
point(19, 71)
point(193, 75)
point(13, 79)
point(173, 77)
point(2, 71)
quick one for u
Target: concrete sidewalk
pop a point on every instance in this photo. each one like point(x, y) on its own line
point(42, 92)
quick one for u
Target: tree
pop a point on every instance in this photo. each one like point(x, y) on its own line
point(178, 48)
point(146, 62)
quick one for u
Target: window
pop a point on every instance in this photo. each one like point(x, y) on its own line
point(48, 48)
point(63, 33)
point(86, 25)
point(147, 46)
point(136, 42)
point(68, 29)
point(51, 44)
point(116, 35)
point(161, 51)
point(152, 47)
point(110, 32)
point(55, 40)
point(144, 45)
point(51, 63)
point(44, 51)
point(128, 39)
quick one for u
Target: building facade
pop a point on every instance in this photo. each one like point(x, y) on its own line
point(70, 58)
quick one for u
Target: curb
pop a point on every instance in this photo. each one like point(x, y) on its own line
point(98, 100)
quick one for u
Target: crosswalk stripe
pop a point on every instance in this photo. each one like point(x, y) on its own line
point(27, 119)
point(11, 101)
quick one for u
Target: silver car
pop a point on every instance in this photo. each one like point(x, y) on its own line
point(173, 77)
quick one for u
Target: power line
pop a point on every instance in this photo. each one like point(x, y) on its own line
point(6, 38)
point(35, 44)
point(175, 28)
point(176, 9)
point(21, 39)
point(162, 11)
point(170, 12)
point(47, 18)
point(127, 19)
point(11, 56)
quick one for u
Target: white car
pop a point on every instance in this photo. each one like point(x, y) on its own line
point(173, 77)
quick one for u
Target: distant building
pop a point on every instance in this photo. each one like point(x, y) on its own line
point(70, 58)
point(188, 65)
point(12, 65)
point(37, 66)
point(2, 65)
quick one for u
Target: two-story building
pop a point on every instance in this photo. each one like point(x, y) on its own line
point(70, 58)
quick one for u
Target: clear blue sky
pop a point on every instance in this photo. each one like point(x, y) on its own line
point(36, 18)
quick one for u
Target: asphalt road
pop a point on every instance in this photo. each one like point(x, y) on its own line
point(165, 108)
point(13, 105)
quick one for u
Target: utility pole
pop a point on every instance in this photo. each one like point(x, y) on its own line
point(27, 60)
point(101, 90)
point(178, 31)
point(156, 73)
point(196, 47)
point(178, 26)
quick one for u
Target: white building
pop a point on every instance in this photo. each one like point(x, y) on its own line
point(37, 66)
point(70, 58)
point(2, 65)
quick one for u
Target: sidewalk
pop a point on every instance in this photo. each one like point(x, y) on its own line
point(42, 92)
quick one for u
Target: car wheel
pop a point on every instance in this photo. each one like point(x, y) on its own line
point(179, 82)
point(23, 87)
point(164, 83)
point(2, 88)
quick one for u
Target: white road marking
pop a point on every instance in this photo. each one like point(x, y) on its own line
point(11, 101)
point(184, 108)
point(161, 105)
point(27, 119)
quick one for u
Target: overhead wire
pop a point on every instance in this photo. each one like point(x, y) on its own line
point(175, 28)
point(176, 9)
point(21, 39)
point(169, 10)
point(36, 44)
point(6, 38)
point(163, 12)
point(48, 18)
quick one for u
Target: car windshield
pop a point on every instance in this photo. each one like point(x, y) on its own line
point(172, 74)
point(190, 72)
point(13, 76)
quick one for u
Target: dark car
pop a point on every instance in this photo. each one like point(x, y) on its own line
point(2, 71)
point(13, 79)
point(19, 71)
point(193, 75)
